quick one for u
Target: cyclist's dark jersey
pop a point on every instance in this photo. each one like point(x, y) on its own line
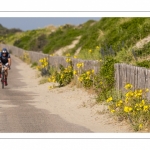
point(4, 59)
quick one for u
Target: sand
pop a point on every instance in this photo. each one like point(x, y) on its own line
point(73, 104)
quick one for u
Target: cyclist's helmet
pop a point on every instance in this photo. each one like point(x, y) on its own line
point(4, 51)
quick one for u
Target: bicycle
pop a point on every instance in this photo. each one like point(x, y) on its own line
point(3, 74)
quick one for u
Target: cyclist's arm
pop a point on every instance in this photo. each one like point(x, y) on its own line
point(9, 61)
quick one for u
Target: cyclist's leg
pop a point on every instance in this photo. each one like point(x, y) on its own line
point(6, 75)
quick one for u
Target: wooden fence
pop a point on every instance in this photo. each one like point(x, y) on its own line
point(139, 77)
point(53, 60)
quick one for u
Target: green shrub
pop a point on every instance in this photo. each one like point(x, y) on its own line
point(125, 56)
point(34, 64)
point(133, 107)
point(144, 51)
point(65, 74)
point(145, 63)
point(105, 79)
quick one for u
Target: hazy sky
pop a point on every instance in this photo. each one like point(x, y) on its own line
point(27, 23)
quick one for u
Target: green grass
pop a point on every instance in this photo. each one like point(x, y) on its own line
point(34, 64)
point(119, 33)
point(43, 80)
point(62, 37)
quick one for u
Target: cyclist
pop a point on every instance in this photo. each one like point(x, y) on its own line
point(5, 59)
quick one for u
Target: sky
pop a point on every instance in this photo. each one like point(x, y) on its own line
point(31, 23)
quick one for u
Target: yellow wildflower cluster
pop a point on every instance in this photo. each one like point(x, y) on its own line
point(133, 106)
point(142, 106)
point(119, 103)
point(87, 78)
point(26, 57)
point(51, 54)
point(64, 75)
point(80, 65)
point(68, 69)
point(43, 63)
point(109, 99)
point(68, 60)
point(52, 78)
point(112, 110)
point(127, 109)
point(68, 55)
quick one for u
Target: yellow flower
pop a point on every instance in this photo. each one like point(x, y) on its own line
point(112, 111)
point(128, 86)
point(79, 65)
point(44, 59)
point(127, 109)
point(101, 83)
point(97, 47)
point(129, 94)
point(74, 72)
point(130, 109)
point(109, 99)
point(87, 78)
point(90, 51)
point(143, 102)
point(45, 64)
point(62, 76)
point(93, 71)
point(119, 103)
point(51, 79)
point(68, 59)
point(41, 60)
point(88, 72)
point(68, 54)
point(75, 56)
point(147, 90)
point(140, 126)
point(80, 79)
point(38, 67)
point(51, 54)
point(145, 108)
point(136, 105)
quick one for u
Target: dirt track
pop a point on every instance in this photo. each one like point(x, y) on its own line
point(27, 107)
